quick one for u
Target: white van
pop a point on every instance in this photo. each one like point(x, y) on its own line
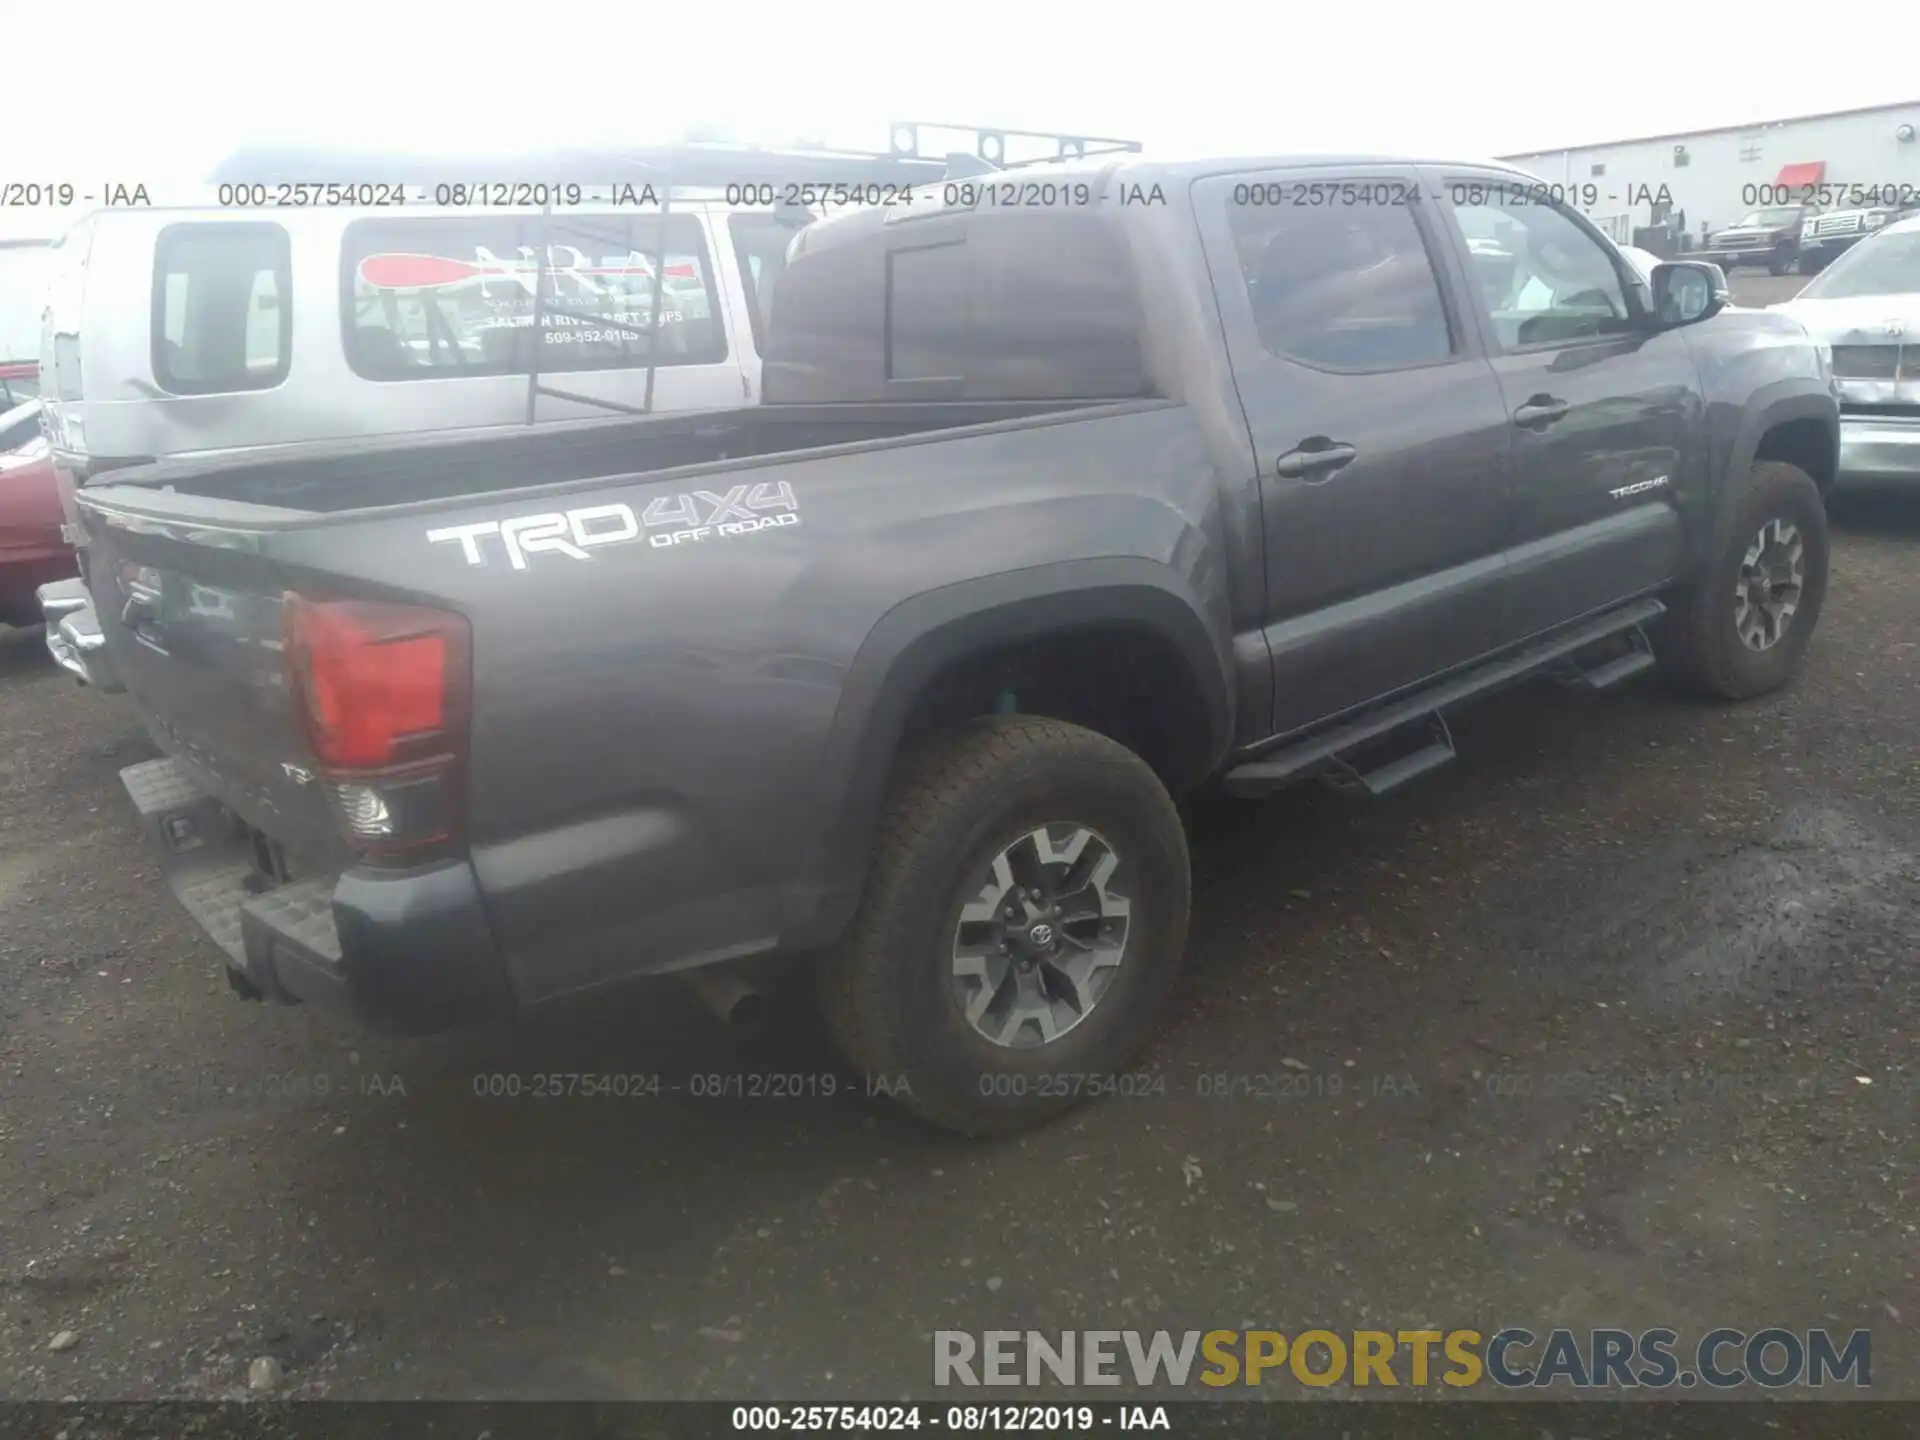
point(280, 317)
point(179, 331)
point(190, 331)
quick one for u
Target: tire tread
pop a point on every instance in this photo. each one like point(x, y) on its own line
point(933, 785)
point(1693, 652)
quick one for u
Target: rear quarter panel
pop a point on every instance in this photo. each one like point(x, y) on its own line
point(660, 749)
point(663, 735)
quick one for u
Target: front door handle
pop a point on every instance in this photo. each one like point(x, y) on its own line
point(1317, 458)
point(1540, 411)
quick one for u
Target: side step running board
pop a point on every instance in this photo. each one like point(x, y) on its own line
point(1332, 748)
point(1637, 660)
point(1397, 772)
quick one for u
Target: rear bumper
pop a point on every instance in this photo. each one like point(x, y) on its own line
point(1879, 447)
point(406, 953)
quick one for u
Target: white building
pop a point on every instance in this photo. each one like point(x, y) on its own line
point(1717, 176)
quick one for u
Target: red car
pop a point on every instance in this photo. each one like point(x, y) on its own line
point(32, 551)
point(19, 382)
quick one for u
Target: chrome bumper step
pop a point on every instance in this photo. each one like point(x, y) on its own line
point(208, 859)
point(73, 634)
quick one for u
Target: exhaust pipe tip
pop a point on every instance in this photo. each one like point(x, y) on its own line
point(730, 997)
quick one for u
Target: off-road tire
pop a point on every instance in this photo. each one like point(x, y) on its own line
point(1699, 650)
point(886, 991)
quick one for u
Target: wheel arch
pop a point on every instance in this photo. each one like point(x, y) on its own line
point(1801, 426)
point(936, 636)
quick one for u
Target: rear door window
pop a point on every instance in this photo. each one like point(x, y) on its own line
point(222, 317)
point(455, 295)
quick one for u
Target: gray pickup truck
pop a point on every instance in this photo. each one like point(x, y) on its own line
point(1069, 493)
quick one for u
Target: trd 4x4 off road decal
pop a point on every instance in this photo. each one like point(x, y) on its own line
point(667, 521)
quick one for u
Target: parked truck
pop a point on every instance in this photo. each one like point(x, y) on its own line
point(1067, 494)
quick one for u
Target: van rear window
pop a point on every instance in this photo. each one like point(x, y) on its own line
point(456, 295)
point(222, 308)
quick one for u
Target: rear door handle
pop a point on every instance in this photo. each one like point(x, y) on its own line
point(1540, 412)
point(1317, 458)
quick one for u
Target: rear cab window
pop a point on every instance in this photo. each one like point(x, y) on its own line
point(455, 295)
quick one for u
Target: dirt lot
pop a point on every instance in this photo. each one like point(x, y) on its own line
point(1611, 1023)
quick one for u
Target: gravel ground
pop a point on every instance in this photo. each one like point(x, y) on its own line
point(1579, 1032)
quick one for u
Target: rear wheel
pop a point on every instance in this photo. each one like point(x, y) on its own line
point(1742, 627)
point(1020, 929)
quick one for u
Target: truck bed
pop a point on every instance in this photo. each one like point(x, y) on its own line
point(340, 476)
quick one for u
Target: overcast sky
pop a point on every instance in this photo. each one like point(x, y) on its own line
point(116, 90)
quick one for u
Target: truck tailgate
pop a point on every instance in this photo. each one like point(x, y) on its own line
point(192, 619)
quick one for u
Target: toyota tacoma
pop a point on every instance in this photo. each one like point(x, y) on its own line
point(1066, 495)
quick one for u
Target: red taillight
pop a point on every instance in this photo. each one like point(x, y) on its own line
point(382, 692)
point(380, 685)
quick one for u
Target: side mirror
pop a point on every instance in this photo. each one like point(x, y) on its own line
point(1685, 292)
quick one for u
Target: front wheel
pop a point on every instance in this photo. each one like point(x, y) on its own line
point(1741, 627)
point(1780, 262)
point(1020, 929)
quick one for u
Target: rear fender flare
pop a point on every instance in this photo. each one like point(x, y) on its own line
point(921, 637)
